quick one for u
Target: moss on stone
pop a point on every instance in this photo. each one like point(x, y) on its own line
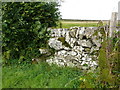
point(62, 39)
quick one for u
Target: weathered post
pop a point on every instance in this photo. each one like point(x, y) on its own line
point(119, 20)
point(119, 14)
point(113, 23)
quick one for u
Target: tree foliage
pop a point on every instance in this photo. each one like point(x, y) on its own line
point(25, 28)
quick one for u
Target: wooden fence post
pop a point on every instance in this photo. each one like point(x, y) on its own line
point(113, 23)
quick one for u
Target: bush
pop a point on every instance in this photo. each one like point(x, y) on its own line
point(25, 28)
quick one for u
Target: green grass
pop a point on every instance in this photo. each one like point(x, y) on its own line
point(46, 76)
point(68, 24)
point(40, 76)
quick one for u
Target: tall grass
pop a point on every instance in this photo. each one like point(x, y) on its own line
point(40, 76)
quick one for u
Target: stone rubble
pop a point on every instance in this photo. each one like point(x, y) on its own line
point(83, 50)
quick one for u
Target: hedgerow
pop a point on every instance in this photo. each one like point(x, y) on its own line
point(24, 27)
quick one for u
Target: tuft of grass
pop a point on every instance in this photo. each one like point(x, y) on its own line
point(40, 76)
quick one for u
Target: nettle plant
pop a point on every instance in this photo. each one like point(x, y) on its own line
point(24, 27)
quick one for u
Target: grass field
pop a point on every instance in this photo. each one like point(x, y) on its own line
point(68, 24)
point(40, 76)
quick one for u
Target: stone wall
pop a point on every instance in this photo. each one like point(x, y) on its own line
point(75, 47)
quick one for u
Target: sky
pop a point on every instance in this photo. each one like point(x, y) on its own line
point(88, 9)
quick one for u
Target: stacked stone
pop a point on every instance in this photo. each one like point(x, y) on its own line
point(83, 50)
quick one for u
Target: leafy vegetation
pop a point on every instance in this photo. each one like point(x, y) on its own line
point(25, 28)
point(109, 61)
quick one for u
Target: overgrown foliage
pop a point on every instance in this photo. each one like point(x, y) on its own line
point(25, 28)
point(107, 75)
point(109, 62)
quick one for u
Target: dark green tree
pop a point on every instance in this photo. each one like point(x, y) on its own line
point(24, 27)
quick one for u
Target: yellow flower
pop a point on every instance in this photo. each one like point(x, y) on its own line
point(82, 79)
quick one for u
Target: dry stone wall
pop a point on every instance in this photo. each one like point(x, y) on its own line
point(75, 47)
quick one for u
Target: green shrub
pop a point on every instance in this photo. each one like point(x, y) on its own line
point(25, 28)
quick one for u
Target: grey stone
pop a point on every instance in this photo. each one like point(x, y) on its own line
point(63, 33)
point(84, 63)
point(86, 43)
point(77, 34)
point(49, 61)
point(73, 53)
point(89, 59)
point(67, 38)
point(54, 43)
point(66, 48)
point(70, 64)
point(61, 64)
point(72, 33)
point(85, 68)
point(80, 36)
point(84, 47)
point(62, 52)
point(93, 63)
point(82, 31)
point(79, 56)
point(43, 51)
point(83, 58)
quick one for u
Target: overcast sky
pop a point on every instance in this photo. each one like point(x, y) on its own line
point(88, 9)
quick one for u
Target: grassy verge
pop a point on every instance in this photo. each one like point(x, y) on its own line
point(68, 24)
point(45, 76)
point(40, 76)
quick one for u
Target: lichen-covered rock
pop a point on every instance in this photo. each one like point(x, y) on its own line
point(54, 43)
point(73, 53)
point(86, 43)
point(75, 47)
point(62, 53)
